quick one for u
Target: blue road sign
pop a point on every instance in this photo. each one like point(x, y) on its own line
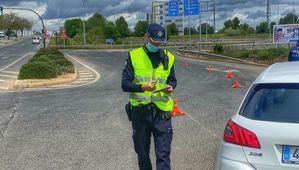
point(193, 7)
point(173, 8)
point(294, 53)
point(109, 40)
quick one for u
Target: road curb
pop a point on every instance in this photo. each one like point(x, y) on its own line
point(36, 83)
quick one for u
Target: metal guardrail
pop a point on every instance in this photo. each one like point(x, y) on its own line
point(205, 55)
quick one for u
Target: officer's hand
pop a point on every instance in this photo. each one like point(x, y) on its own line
point(168, 89)
point(150, 86)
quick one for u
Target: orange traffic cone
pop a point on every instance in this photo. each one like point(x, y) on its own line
point(229, 75)
point(176, 110)
point(236, 85)
point(210, 69)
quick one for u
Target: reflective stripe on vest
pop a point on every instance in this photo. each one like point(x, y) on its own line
point(149, 98)
point(144, 73)
point(148, 79)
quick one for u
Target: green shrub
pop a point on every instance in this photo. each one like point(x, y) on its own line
point(40, 58)
point(232, 32)
point(37, 70)
point(263, 54)
point(245, 54)
point(54, 57)
point(47, 51)
point(45, 64)
point(279, 51)
point(218, 48)
point(64, 66)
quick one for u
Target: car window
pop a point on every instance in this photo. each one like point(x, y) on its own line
point(272, 102)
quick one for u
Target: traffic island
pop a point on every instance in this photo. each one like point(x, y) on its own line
point(38, 83)
point(47, 67)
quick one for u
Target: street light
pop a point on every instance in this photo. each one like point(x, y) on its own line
point(84, 39)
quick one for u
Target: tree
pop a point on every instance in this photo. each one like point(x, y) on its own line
point(2, 22)
point(172, 29)
point(262, 28)
point(246, 29)
point(288, 19)
point(110, 31)
point(97, 21)
point(244, 26)
point(204, 26)
point(95, 36)
point(122, 27)
point(141, 28)
point(228, 24)
point(73, 27)
point(193, 31)
point(272, 25)
point(236, 23)
point(11, 22)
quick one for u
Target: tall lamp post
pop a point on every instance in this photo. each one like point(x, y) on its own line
point(84, 38)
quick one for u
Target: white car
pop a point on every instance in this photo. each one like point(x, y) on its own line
point(264, 133)
point(2, 34)
point(35, 40)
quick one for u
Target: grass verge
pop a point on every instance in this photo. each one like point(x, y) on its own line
point(264, 56)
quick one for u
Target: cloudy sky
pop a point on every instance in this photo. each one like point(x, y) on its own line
point(249, 11)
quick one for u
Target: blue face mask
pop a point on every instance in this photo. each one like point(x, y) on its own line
point(151, 48)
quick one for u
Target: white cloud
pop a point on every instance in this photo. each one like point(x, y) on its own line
point(250, 12)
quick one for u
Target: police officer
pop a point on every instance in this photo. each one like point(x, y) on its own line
point(149, 77)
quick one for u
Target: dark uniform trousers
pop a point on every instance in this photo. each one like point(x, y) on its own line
point(145, 121)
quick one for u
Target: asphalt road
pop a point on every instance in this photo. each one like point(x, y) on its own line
point(86, 127)
point(11, 53)
point(12, 57)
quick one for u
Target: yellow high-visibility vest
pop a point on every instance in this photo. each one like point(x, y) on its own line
point(144, 73)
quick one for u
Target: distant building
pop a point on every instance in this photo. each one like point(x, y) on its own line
point(160, 15)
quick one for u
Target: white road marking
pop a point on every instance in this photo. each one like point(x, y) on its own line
point(3, 88)
point(85, 73)
point(80, 82)
point(4, 75)
point(10, 72)
point(86, 78)
point(97, 77)
point(223, 71)
point(4, 58)
point(2, 80)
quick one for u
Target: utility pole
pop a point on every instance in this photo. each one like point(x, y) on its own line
point(214, 16)
point(269, 19)
point(1, 10)
point(278, 12)
point(294, 12)
point(206, 31)
point(58, 18)
point(84, 38)
point(200, 38)
point(189, 24)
